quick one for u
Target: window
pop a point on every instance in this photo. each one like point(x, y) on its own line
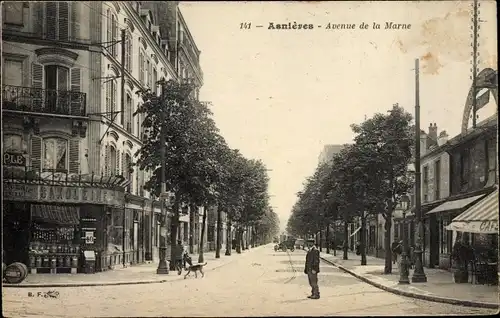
point(111, 99)
point(128, 52)
point(56, 77)
point(128, 114)
point(109, 27)
point(12, 72)
point(55, 154)
point(141, 67)
point(112, 160)
point(155, 80)
point(148, 69)
point(57, 22)
point(425, 187)
point(464, 168)
point(127, 167)
point(437, 179)
point(13, 143)
point(443, 240)
point(13, 12)
point(114, 35)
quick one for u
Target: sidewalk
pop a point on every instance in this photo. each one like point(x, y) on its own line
point(135, 274)
point(438, 288)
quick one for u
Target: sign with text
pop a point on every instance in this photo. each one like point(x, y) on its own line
point(14, 159)
point(56, 193)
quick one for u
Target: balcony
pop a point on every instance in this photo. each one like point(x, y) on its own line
point(44, 101)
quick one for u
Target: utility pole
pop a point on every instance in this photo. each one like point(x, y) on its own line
point(474, 63)
point(418, 273)
point(162, 265)
point(122, 103)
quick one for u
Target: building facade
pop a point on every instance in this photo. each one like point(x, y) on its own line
point(70, 133)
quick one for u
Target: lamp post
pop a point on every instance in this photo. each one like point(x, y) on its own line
point(418, 273)
point(404, 271)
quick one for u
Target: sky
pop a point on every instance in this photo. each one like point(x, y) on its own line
point(281, 95)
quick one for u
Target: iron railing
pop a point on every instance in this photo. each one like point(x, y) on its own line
point(47, 101)
point(33, 175)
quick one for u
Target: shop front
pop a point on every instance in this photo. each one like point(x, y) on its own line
point(55, 228)
point(478, 227)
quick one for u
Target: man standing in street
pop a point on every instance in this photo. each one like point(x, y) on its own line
point(312, 270)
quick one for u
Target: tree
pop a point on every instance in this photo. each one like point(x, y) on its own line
point(385, 143)
point(267, 227)
point(191, 141)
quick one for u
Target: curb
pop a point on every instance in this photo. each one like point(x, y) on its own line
point(437, 299)
point(103, 284)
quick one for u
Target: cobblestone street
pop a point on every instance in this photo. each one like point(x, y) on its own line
point(260, 283)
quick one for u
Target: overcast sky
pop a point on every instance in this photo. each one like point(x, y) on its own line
point(281, 95)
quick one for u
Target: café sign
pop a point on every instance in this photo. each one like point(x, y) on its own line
point(14, 159)
point(55, 193)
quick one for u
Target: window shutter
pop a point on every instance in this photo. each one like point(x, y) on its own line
point(108, 99)
point(117, 171)
point(36, 153)
point(113, 100)
point(74, 20)
point(50, 20)
point(77, 101)
point(128, 53)
point(141, 68)
point(108, 26)
point(107, 156)
point(37, 85)
point(74, 155)
point(38, 10)
point(115, 36)
point(124, 164)
point(63, 22)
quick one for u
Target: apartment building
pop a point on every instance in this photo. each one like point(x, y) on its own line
point(70, 134)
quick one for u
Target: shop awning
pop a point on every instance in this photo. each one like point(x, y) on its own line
point(480, 218)
point(354, 233)
point(455, 204)
point(57, 214)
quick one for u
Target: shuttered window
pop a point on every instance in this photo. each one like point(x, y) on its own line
point(155, 80)
point(113, 99)
point(141, 67)
point(113, 159)
point(128, 115)
point(128, 52)
point(108, 99)
point(74, 155)
point(149, 70)
point(57, 20)
point(109, 27)
point(107, 160)
point(114, 26)
point(55, 154)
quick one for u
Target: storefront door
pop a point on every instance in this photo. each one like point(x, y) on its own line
point(16, 232)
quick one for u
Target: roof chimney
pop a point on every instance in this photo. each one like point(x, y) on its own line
point(433, 131)
point(443, 138)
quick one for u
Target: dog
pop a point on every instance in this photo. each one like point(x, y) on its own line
point(195, 268)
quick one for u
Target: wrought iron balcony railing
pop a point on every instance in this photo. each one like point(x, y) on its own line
point(47, 101)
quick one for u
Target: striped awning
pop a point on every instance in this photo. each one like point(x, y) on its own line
point(480, 218)
point(56, 214)
point(455, 204)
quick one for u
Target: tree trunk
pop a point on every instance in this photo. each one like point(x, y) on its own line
point(218, 234)
point(346, 239)
point(320, 240)
point(327, 238)
point(228, 238)
point(387, 243)
point(239, 239)
point(363, 239)
point(192, 213)
point(202, 239)
point(173, 233)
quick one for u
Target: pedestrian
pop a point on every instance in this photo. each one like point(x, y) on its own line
point(358, 248)
point(312, 269)
point(179, 256)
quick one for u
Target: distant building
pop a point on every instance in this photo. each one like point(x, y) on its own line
point(328, 152)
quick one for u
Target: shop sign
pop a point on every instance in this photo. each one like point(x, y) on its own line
point(89, 237)
point(20, 192)
point(489, 226)
point(14, 159)
point(51, 193)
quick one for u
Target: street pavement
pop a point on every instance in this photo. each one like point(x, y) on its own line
point(259, 282)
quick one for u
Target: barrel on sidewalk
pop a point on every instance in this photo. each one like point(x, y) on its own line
point(15, 273)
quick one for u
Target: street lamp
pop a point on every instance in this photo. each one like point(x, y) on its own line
point(418, 273)
point(404, 271)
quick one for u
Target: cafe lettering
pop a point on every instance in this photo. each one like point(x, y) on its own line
point(14, 159)
point(54, 193)
point(489, 226)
